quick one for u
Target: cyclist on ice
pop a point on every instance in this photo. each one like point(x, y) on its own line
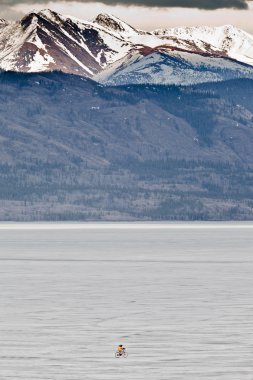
point(121, 349)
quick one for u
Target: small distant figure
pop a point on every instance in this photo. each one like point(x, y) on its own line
point(121, 351)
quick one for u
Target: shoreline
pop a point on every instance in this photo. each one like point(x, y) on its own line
point(124, 225)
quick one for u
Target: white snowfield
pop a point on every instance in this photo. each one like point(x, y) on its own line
point(178, 296)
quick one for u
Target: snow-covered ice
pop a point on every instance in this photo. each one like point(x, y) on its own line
point(178, 296)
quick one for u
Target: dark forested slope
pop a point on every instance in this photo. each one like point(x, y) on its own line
point(72, 149)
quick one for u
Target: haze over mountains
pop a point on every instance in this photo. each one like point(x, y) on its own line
point(111, 51)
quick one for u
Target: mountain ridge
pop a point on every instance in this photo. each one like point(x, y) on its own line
point(48, 41)
point(72, 149)
point(224, 38)
point(172, 65)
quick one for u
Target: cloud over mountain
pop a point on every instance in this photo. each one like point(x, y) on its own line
point(201, 4)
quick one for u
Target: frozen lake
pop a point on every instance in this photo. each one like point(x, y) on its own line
point(179, 297)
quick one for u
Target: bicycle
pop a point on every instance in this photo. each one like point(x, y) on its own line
point(118, 354)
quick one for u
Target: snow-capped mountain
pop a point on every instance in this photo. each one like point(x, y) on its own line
point(233, 42)
point(169, 65)
point(47, 41)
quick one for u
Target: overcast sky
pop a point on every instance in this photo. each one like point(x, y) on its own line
point(145, 14)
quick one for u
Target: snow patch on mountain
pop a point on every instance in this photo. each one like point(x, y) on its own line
point(40, 62)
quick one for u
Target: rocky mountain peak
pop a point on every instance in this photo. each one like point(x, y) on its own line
point(109, 21)
point(34, 18)
point(50, 15)
point(29, 19)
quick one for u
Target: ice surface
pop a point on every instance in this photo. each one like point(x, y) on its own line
point(179, 297)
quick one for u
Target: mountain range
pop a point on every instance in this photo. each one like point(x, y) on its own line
point(112, 52)
point(71, 149)
point(101, 121)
